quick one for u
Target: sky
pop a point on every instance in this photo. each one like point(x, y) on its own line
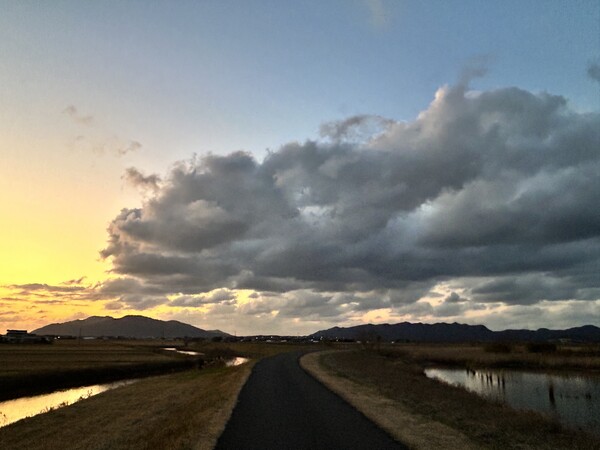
point(275, 167)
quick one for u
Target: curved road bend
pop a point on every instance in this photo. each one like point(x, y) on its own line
point(282, 407)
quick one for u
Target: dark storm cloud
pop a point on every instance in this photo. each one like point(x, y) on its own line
point(593, 71)
point(487, 185)
point(32, 288)
point(224, 296)
point(130, 293)
point(530, 288)
point(307, 305)
point(355, 128)
point(141, 302)
point(454, 298)
point(137, 179)
point(74, 281)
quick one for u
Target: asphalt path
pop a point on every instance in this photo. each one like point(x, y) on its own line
point(282, 407)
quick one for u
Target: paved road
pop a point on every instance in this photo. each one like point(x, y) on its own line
point(282, 407)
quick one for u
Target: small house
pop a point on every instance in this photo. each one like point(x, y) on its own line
point(23, 337)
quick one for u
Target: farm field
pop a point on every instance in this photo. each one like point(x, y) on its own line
point(70, 354)
point(31, 369)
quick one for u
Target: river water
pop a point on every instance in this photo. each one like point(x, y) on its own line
point(237, 361)
point(573, 400)
point(183, 352)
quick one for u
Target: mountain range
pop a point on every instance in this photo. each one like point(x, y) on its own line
point(145, 327)
point(455, 332)
point(128, 326)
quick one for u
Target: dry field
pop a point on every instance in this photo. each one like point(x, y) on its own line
point(31, 369)
point(390, 387)
point(517, 356)
point(75, 355)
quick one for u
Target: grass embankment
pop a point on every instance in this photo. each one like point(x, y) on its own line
point(423, 413)
point(187, 410)
point(31, 369)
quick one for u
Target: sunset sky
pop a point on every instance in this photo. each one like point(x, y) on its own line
point(282, 167)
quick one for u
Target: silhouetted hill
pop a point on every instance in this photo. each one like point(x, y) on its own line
point(586, 333)
point(455, 332)
point(128, 326)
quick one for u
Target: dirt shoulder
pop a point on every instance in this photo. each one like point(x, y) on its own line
point(423, 413)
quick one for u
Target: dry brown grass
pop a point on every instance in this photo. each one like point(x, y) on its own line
point(182, 411)
point(572, 357)
point(401, 395)
point(75, 355)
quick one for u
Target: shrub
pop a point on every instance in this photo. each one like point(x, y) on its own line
point(498, 347)
point(541, 347)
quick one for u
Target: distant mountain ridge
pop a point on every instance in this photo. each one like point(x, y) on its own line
point(127, 326)
point(455, 332)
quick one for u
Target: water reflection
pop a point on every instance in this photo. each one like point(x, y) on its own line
point(237, 361)
point(20, 408)
point(183, 352)
point(573, 400)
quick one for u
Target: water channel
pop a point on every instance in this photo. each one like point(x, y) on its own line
point(573, 400)
point(17, 409)
point(20, 408)
point(237, 361)
point(183, 352)
point(229, 362)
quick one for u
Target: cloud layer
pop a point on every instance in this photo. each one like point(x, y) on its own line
point(486, 199)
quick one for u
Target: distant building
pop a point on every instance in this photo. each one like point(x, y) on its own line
point(23, 337)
